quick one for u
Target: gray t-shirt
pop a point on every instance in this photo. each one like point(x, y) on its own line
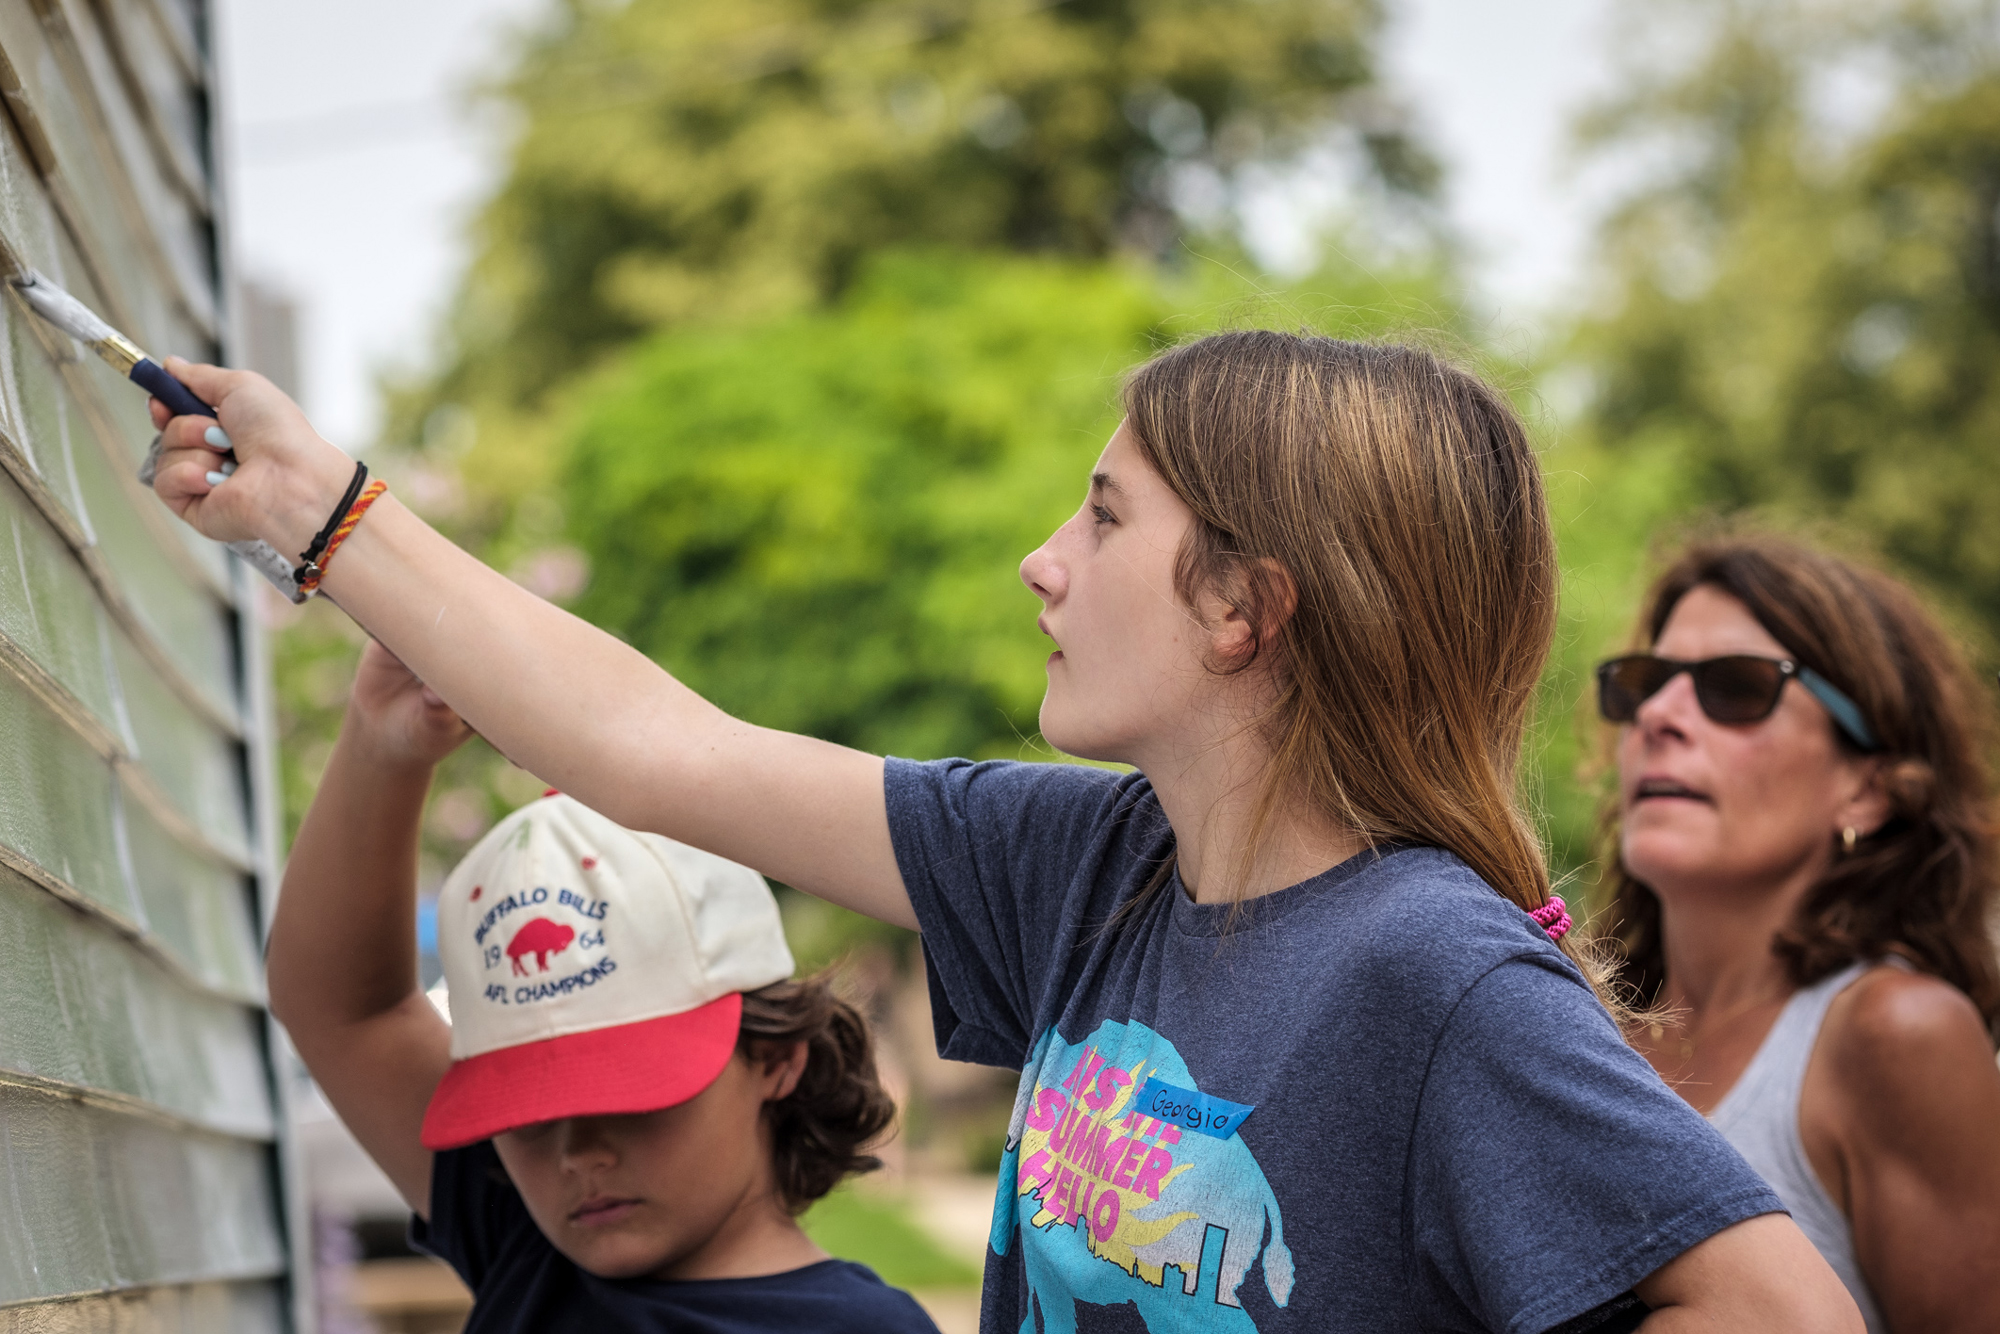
point(1380, 1100)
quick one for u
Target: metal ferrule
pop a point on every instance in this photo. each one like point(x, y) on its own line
point(120, 351)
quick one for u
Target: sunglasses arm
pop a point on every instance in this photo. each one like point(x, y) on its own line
point(1846, 714)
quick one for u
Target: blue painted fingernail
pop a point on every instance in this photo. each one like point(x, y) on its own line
point(218, 437)
point(228, 468)
point(217, 479)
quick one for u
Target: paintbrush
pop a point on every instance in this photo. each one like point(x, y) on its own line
point(82, 323)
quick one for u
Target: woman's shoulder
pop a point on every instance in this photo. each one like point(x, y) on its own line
point(1903, 1083)
point(1893, 1030)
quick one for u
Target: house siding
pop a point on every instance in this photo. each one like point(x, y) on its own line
point(143, 1177)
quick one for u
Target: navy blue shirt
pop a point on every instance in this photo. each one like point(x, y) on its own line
point(523, 1285)
point(1380, 1100)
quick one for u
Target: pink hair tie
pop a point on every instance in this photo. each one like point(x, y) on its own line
point(1553, 917)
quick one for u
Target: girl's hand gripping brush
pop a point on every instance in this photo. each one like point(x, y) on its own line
point(80, 322)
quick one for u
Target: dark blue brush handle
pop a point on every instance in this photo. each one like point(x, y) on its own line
point(151, 376)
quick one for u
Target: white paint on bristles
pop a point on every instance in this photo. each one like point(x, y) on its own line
point(61, 309)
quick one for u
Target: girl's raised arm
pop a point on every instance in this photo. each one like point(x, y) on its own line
point(559, 697)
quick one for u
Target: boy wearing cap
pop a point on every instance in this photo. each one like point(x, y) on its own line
point(632, 1102)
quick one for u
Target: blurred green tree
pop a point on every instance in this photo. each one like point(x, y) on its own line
point(1804, 304)
point(813, 522)
point(697, 161)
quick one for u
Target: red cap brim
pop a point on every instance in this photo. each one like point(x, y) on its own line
point(638, 1067)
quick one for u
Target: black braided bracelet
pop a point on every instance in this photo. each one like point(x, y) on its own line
point(318, 547)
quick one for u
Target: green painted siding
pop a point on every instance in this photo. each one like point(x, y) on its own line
point(140, 1150)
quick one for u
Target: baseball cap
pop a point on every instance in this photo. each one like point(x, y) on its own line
point(592, 970)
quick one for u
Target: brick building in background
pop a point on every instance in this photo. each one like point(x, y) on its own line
point(143, 1184)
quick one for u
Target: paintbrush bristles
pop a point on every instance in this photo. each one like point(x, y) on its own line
point(77, 320)
point(63, 310)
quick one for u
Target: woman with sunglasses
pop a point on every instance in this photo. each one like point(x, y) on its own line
point(1804, 887)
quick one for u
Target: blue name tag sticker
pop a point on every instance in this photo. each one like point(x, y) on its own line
point(1190, 1109)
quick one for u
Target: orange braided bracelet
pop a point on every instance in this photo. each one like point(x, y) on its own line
point(313, 571)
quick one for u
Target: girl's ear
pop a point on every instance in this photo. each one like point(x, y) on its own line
point(783, 1068)
point(1255, 607)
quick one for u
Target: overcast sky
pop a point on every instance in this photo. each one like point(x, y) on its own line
point(352, 175)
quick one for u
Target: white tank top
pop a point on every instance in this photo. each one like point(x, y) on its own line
point(1760, 1116)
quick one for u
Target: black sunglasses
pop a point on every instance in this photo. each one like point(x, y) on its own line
point(1737, 689)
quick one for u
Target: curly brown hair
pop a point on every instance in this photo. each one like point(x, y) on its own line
point(1923, 886)
point(820, 1130)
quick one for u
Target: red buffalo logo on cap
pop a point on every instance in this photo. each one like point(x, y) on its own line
point(541, 938)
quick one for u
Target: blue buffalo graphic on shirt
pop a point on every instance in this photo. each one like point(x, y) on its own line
point(1118, 1206)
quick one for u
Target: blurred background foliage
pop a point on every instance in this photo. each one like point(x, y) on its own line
point(794, 324)
point(704, 161)
point(1807, 304)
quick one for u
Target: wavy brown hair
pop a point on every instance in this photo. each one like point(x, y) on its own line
point(1396, 497)
point(821, 1130)
point(1922, 886)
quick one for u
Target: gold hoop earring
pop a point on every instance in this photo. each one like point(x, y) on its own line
point(1847, 837)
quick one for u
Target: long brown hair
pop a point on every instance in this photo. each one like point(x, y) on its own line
point(1923, 885)
point(1400, 499)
